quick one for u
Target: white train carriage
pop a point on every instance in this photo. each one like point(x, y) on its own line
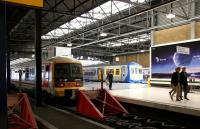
point(132, 72)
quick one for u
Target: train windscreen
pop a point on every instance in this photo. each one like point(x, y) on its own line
point(68, 71)
point(76, 70)
point(62, 71)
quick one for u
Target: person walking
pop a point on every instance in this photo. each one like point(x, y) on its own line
point(110, 79)
point(175, 81)
point(184, 83)
point(172, 85)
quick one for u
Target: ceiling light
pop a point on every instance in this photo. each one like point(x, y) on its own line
point(170, 15)
point(103, 34)
point(69, 44)
point(141, 50)
point(141, 1)
point(117, 59)
point(33, 55)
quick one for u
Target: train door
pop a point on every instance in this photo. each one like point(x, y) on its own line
point(46, 76)
point(100, 71)
point(124, 72)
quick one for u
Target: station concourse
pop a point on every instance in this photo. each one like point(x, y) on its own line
point(104, 64)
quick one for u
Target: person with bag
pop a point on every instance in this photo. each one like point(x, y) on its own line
point(184, 83)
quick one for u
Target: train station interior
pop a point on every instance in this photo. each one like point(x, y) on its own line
point(99, 64)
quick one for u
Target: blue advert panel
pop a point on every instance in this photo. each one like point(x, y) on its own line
point(164, 59)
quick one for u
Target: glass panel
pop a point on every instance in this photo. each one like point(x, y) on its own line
point(76, 70)
point(62, 71)
point(117, 72)
point(90, 17)
point(140, 71)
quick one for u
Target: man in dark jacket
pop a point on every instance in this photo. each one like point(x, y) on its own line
point(184, 83)
point(175, 81)
point(110, 79)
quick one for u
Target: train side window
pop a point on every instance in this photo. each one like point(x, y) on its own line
point(117, 72)
point(108, 70)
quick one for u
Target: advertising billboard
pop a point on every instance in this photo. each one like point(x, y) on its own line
point(164, 59)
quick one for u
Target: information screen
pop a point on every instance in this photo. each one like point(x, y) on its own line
point(164, 59)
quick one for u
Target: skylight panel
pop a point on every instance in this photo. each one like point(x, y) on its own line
point(99, 12)
point(126, 41)
point(138, 1)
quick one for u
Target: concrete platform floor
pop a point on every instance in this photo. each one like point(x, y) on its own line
point(156, 97)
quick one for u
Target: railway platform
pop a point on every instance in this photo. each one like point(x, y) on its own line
point(154, 97)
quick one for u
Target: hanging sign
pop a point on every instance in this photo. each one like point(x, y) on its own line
point(35, 3)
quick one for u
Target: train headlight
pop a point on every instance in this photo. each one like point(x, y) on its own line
point(60, 85)
point(78, 84)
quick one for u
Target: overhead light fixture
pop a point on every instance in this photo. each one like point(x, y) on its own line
point(170, 15)
point(69, 44)
point(102, 34)
point(141, 1)
point(141, 50)
point(117, 59)
point(33, 55)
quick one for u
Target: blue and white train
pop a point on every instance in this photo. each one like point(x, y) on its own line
point(131, 72)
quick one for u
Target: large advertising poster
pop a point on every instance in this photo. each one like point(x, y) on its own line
point(164, 59)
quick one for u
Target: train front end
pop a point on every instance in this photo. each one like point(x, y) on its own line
point(67, 78)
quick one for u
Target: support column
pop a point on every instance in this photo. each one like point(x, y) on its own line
point(3, 85)
point(38, 57)
point(8, 62)
point(152, 37)
point(193, 29)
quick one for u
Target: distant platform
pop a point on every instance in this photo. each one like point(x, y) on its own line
point(154, 97)
point(159, 98)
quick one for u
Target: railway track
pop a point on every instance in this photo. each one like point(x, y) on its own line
point(131, 121)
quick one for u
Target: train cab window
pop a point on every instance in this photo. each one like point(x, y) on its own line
point(140, 71)
point(133, 70)
point(76, 70)
point(136, 71)
point(62, 71)
point(117, 72)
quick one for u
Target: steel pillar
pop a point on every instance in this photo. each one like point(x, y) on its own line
point(3, 84)
point(8, 62)
point(38, 57)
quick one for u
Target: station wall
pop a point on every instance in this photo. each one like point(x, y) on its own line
point(169, 35)
point(197, 30)
point(175, 34)
point(141, 58)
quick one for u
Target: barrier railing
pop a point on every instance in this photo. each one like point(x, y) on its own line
point(98, 104)
point(20, 115)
